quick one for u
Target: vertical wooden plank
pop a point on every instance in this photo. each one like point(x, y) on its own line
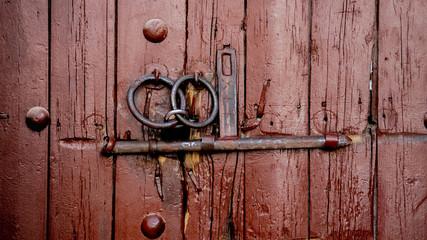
point(402, 104)
point(217, 210)
point(136, 190)
point(82, 52)
point(343, 35)
point(276, 181)
point(24, 78)
point(402, 187)
point(402, 98)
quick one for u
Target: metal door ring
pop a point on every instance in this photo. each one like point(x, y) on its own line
point(212, 92)
point(162, 80)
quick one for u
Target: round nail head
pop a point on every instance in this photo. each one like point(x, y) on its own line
point(152, 226)
point(155, 30)
point(37, 118)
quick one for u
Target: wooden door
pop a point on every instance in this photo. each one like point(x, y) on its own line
point(352, 67)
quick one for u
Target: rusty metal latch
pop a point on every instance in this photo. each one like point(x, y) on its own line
point(226, 104)
point(210, 144)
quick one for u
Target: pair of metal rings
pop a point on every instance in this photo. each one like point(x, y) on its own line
point(181, 114)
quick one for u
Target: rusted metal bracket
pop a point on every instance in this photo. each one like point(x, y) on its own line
point(227, 92)
point(210, 144)
point(260, 111)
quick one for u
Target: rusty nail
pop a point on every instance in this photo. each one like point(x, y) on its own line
point(197, 85)
point(261, 105)
point(251, 125)
point(155, 30)
point(194, 180)
point(4, 115)
point(156, 73)
point(192, 177)
point(152, 226)
point(37, 118)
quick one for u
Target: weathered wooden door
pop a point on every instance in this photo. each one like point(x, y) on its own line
point(351, 67)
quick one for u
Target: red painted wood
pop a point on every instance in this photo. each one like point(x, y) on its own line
point(276, 181)
point(254, 195)
point(23, 161)
point(402, 187)
point(342, 191)
point(341, 188)
point(402, 104)
point(136, 193)
point(81, 183)
point(402, 101)
point(217, 210)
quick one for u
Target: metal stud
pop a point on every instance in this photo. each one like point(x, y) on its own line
point(152, 226)
point(37, 118)
point(155, 30)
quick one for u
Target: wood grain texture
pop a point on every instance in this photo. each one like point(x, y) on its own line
point(81, 184)
point(217, 210)
point(402, 98)
point(136, 191)
point(402, 187)
point(341, 188)
point(24, 154)
point(276, 181)
point(341, 192)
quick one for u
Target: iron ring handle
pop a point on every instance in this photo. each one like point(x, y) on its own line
point(212, 92)
point(131, 102)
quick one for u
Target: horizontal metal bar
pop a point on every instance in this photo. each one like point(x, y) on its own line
point(209, 144)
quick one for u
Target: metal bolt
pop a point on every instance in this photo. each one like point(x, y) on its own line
point(37, 118)
point(152, 226)
point(155, 30)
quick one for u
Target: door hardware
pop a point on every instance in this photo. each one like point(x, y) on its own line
point(155, 30)
point(227, 91)
point(195, 79)
point(229, 141)
point(37, 118)
point(177, 111)
point(260, 111)
point(153, 225)
point(210, 144)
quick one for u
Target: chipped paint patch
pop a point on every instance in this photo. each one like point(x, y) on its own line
point(356, 138)
point(161, 159)
point(187, 216)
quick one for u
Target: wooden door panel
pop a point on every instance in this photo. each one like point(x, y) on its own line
point(82, 80)
point(135, 191)
point(402, 86)
point(402, 186)
point(402, 111)
point(350, 67)
point(276, 181)
point(341, 181)
point(23, 152)
point(217, 210)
